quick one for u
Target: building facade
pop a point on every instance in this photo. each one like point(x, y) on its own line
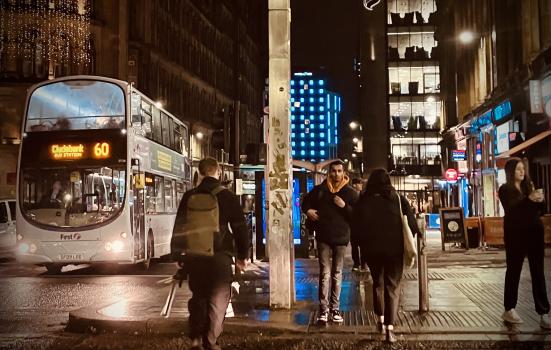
point(195, 57)
point(498, 84)
point(401, 108)
point(315, 113)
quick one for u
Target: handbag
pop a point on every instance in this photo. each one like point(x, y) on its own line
point(410, 249)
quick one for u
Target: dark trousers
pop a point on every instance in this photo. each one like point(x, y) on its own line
point(207, 307)
point(387, 275)
point(331, 260)
point(515, 259)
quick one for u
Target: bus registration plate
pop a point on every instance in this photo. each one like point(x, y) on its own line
point(73, 256)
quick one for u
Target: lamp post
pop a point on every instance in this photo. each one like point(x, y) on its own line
point(357, 145)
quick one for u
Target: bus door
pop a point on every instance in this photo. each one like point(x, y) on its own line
point(138, 217)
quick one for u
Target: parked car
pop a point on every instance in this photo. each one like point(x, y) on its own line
point(7, 223)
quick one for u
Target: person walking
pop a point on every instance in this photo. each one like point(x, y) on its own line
point(358, 261)
point(524, 237)
point(210, 277)
point(377, 215)
point(329, 206)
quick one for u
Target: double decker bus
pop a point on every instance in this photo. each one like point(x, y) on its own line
point(102, 170)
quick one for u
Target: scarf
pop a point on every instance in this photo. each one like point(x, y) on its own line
point(335, 187)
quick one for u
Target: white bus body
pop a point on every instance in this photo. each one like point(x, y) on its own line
point(101, 173)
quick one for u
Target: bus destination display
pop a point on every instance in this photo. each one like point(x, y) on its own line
point(76, 151)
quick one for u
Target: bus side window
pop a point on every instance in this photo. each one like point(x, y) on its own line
point(171, 126)
point(160, 198)
point(169, 196)
point(180, 189)
point(177, 138)
point(157, 135)
point(166, 129)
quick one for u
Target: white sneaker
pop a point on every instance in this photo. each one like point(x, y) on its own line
point(545, 321)
point(511, 316)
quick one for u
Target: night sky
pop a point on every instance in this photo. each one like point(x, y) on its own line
point(324, 36)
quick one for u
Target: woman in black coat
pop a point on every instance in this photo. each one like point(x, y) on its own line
point(378, 227)
point(524, 236)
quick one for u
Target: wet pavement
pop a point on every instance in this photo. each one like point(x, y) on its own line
point(465, 302)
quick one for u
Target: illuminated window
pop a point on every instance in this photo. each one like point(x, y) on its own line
point(292, 126)
point(293, 144)
point(293, 135)
point(302, 117)
point(322, 109)
point(322, 144)
point(292, 91)
point(322, 117)
point(302, 153)
point(322, 135)
point(311, 91)
point(302, 143)
point(311, 100)
point(293, 153)
point(320, 82)
point(301, 82)
point(322, 153)
point(311, 82)
point(321, 99)
point(302, 109)
point(301, 91)
point(292, 117)
point(320, 91)
point(301, 135)
point(322, 126)
point(312, 143)
point(312, 153)
point(302, 126)
point(302, 99)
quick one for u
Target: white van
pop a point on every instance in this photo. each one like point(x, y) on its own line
point(7, 223)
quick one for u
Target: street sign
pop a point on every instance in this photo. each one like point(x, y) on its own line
point(458, 154)
point(451, 175)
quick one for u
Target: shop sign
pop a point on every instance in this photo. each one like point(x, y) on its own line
point(503, 110)
point(502, 138)
point(536, 105)
point(458, 154)
point(451, 175)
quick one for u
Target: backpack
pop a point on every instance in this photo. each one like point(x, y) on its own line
point(201, 231)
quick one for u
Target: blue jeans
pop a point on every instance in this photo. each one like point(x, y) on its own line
point(331, 261)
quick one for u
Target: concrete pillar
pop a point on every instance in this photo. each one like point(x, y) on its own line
point(279, 184)
point(374, 114)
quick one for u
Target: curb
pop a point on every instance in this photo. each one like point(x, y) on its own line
point(88, 320)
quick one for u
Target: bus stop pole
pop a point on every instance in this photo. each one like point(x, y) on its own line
point(422, 268)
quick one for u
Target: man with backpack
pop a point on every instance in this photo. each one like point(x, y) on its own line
point(202, 235)
point(329, 208)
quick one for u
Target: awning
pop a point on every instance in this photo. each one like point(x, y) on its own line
point(525, 144)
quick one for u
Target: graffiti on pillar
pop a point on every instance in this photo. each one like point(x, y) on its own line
point(279, 175)
point(280, 203)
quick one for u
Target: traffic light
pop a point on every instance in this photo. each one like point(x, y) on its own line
point(218, 134)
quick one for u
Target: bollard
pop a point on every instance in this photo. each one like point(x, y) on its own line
point(422, 268)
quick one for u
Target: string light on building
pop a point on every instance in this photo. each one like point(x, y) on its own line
point(57, 32)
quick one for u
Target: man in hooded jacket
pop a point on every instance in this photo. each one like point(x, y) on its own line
point(329, 207)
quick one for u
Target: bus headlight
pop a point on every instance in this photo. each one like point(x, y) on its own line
point(108, 246)
point(118, 246)
point(23, 248)
point(32, 248)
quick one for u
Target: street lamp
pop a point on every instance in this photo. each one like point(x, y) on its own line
point(466, 37)
point(355, 125)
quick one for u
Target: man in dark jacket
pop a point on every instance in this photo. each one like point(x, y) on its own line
point(210, 277)
point(329, 207)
